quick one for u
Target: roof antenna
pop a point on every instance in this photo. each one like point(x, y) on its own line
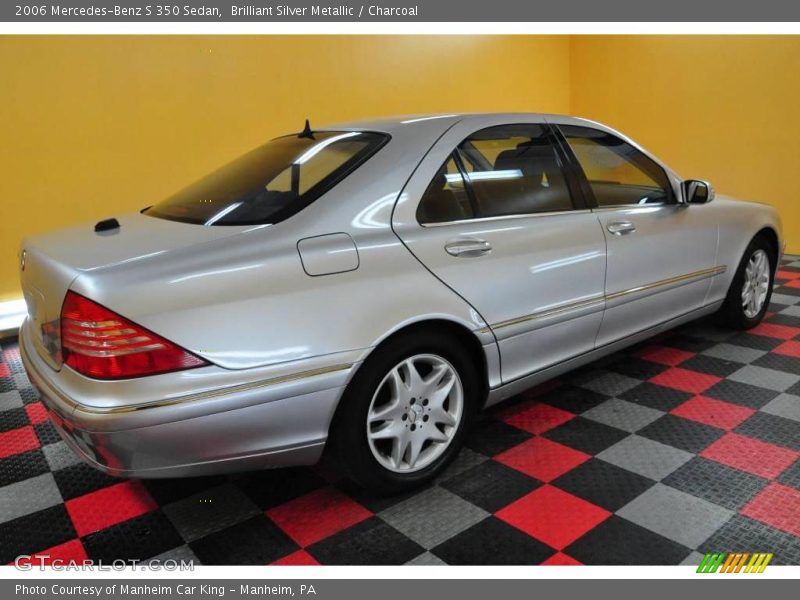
point(306, 133)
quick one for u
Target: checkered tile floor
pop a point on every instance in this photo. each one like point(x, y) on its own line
point(685, 444)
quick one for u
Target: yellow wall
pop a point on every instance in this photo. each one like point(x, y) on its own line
point(722, 108)
point(94, 126)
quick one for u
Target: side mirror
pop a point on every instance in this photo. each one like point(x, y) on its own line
point(697, 191)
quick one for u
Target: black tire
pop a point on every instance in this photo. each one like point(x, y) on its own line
point(732, 313)
point(349, 441)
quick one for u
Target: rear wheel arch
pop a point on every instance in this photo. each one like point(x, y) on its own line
point(457, 332)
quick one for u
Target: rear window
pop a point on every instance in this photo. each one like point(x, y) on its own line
point(272, 182)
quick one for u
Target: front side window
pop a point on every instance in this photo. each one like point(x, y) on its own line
point(617, 173)
point(272, 182)
point(498, 171)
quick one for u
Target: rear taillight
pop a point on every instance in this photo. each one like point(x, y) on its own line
point(101, 344)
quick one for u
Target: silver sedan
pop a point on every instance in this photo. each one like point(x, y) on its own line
point(368, 287)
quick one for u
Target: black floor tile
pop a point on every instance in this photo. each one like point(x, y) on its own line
point(19, 467)
point(35, 532)
point(491, 437)
point(371, 542)
point(573, 399)
point(742, 394)
point(711, 365)
point(13, 418)
point(493, 542)
point(742, 534)
point(681, 433)
point(655, 396)
point(617, 541)
point(80, 479)
point(136, 539)
point(603, 484)
point(716, 483)
point(637, 368)
point(773, 429)
point(779, 362)
point(491, 485)
point(257, 541)
point(585, 435)
point(273, 487)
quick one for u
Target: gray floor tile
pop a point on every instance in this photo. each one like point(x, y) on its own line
point(426, 559)
point(623, 414)
point(9, 400)
point(735, 353)
point(210, 511)
point(29, 496)
point(785, 299)
point(21, 381)
point(433, 516)
point(465, 460)
point(791, 311)
point(694, 559)
point(765, 378)
point(60, 456)
point(180, 554)
point(645, 457)
point(676, 515)
point(785, 405)
point(611, 384)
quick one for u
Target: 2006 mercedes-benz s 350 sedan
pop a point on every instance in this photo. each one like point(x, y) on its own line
point(369, 287)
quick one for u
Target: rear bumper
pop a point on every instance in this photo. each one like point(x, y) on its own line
point(274, 421)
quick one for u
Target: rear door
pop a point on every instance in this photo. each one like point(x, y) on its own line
point(661, 252)
point(492, 212)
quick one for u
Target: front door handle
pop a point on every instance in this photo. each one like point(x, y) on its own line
point(467, 248)
point(621, 227)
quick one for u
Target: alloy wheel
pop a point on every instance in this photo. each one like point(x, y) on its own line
point(415, 413)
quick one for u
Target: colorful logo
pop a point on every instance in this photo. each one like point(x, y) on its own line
point(735, 562)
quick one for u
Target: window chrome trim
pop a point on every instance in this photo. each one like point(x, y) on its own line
point(551, 213)
point(575, 306)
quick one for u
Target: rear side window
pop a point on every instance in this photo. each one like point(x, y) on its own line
point(498, 171)
point(618, 174)
point(272, 182)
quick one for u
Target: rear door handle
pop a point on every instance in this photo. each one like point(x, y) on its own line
point(621, 227)
point(467, 248)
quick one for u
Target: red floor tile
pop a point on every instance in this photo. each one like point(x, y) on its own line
point(685, 380)
point(749, 455)
point(109, 506)
point(665, 356)
point(787, 275)
point(4, 370)
point(713, 412)
point(778, 506)
point(560, 559)
point(535, 418)
point(18, 440)
point(789, 348)
point(781, 332)
point(793, 284)
point(541, 458)
point(553, 516)
point(36, 413)
point(315, 516)
point(299, 558)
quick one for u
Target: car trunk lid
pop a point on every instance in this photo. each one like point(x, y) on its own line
point(50, 262)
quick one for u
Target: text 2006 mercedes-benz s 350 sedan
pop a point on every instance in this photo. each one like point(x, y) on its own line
point(369, 287)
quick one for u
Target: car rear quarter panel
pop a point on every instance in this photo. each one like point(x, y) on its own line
point(246, 301)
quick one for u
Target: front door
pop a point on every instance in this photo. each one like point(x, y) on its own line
point(661, 251)
point(490, 211)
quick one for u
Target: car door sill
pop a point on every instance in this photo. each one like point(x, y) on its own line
point(525, 382)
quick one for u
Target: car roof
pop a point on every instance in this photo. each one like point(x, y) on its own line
point(394, 124)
